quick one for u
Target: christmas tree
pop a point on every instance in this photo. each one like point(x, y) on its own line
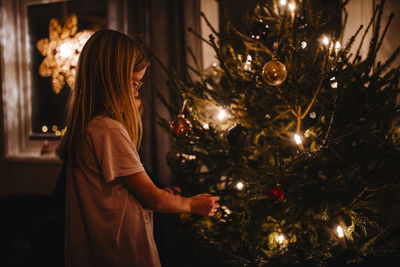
point(297, 133)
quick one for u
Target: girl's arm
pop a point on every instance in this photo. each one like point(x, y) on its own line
point(152, 197)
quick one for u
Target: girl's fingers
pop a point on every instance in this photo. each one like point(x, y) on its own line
point(177, 189)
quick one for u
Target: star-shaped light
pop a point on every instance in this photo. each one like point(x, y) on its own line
point(61, 51)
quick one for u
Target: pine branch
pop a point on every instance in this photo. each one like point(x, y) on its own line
point(385, 31)
point(209, 24)
point(364, 35)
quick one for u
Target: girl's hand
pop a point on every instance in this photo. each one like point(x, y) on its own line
point(204, 204)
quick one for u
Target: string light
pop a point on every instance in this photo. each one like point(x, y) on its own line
point(44, 129)
point(339, 230)
point(297, 139)
point(221, 114)
point(334, 83)
point(247, 64)
point(325, 40)
point(206, 126)
point(227, 211)
point(283, 2)
point(337, 46)
point(292, 6)
point(303, 44)
point(281, 238)
point(239, 185)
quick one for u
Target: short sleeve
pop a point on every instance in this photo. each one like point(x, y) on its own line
point(116, 154)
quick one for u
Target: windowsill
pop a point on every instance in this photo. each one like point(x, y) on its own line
point(51, 158)
point(35, 136)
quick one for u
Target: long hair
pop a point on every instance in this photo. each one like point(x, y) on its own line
point(103, 86)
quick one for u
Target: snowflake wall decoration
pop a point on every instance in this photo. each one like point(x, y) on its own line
point(61, 51)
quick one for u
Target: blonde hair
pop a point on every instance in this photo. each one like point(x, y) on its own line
point(103, 86)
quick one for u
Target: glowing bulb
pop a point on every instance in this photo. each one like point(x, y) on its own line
point(247, 64)
point(340, 231)
point(66, 50)
point(221, 115)
point(227, 211)
point(281, 238)
point(297, 139)
point(303, 44)
point(337, 46)
point(325, 40)
point(239, 185)
point(283, 2)
point(206, 126)
point(292, 6)
point(334, 85)
point(44, 129)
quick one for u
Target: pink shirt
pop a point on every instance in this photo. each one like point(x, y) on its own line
point(105, 224)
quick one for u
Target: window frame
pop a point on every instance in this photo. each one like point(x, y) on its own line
point(19, 141)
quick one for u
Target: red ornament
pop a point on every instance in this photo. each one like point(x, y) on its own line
point(276, 194)
point(181, 127)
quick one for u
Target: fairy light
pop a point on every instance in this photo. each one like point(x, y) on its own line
point(297, 139)
point(291, 6)
point(281, 238)
point(239, 185)
point(44, 129)
point(247, 64)
point(339, 231)
point(227, 211)
point(206, 126)
point(283, 2)
point(303, 44)
point(221, 114)
point(325, 40)
point(334, 83)
point(337, 46)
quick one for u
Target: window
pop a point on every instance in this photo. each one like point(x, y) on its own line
point(29, 103)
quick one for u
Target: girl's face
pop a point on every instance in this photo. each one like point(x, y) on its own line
point(137, 81)
point(136, 84)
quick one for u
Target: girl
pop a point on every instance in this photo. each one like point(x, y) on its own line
point(108, 191)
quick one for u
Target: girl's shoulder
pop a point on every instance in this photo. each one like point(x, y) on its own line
point(104, 122)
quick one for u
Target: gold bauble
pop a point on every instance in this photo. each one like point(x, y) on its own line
point(181, 127)
point(274, 72)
